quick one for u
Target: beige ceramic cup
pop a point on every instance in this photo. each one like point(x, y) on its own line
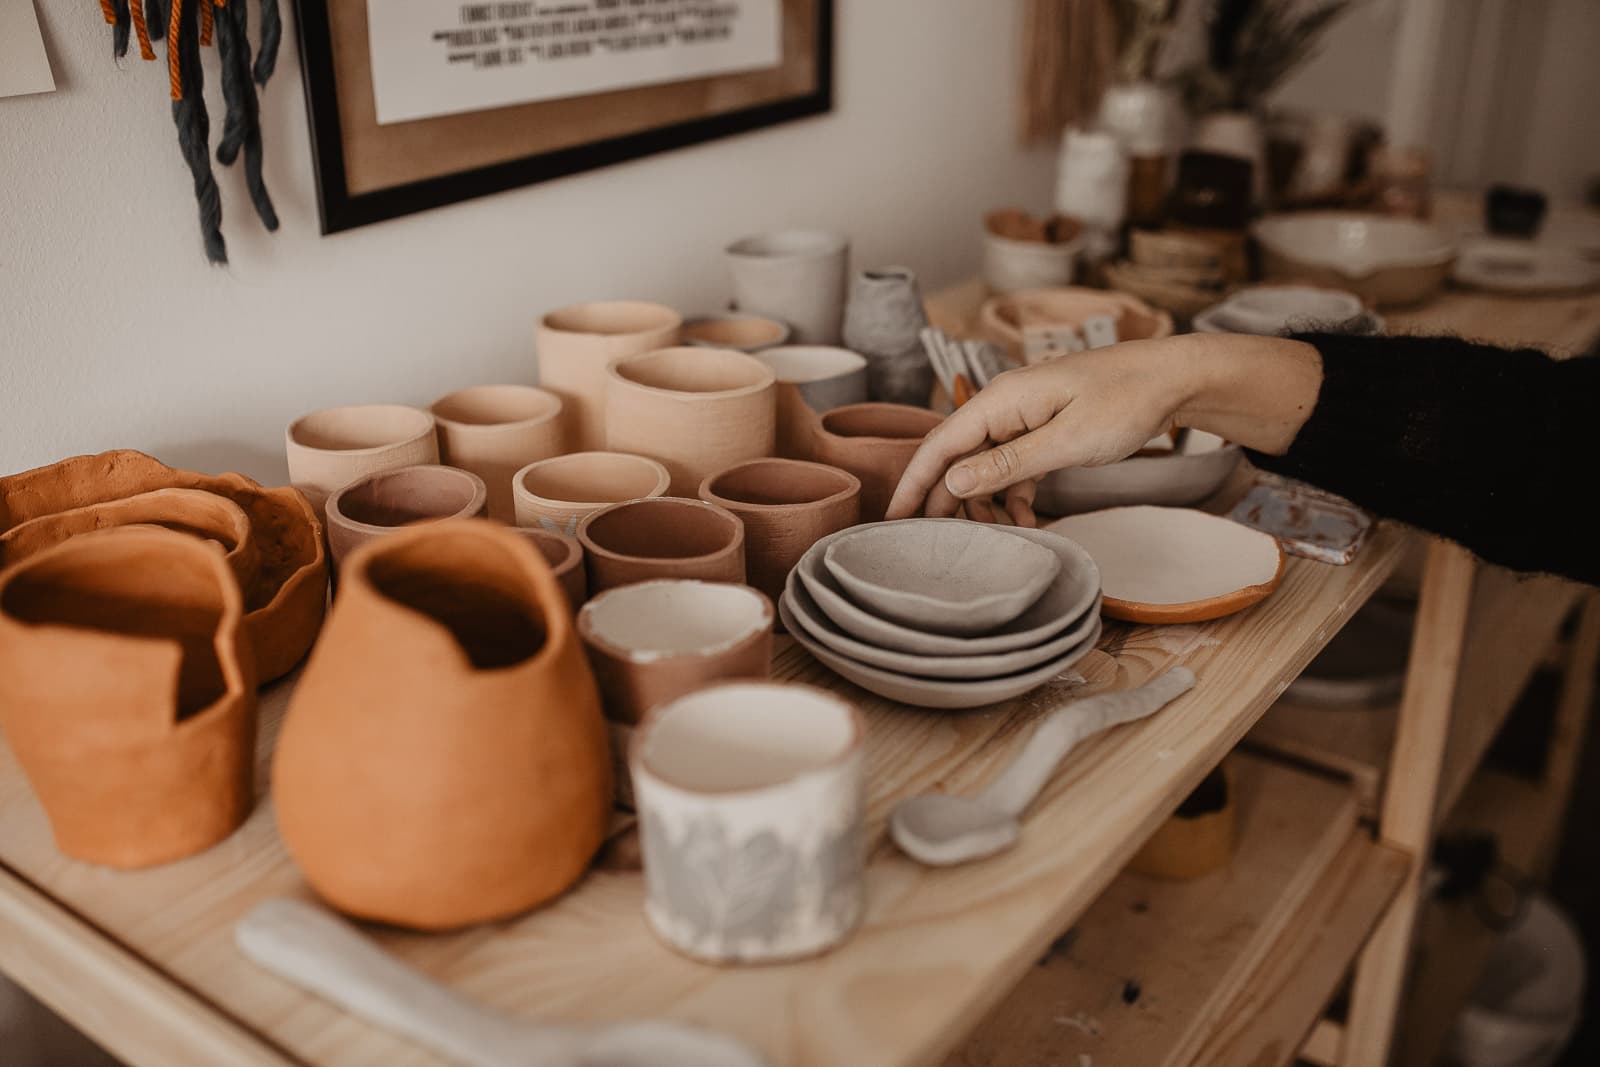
point(557, 494)
point(662, 537)
point(331, 448)
point(577, 344)
point(875, 442)
point(697, 410)
point(382, 503)
point(766, 780)
point(496, 430)
point(794, 276)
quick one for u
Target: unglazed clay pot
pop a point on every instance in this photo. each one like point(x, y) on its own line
point(747, 333)
point(565, 557)
point(695, 409)
point(128, 694)
point(496, 430)
point(380, 504)
point(812, 379)
point(652, 642)
point(786, 506)
point(795, 276)
point(751, 797)
point(884, 321)
point(576, 345)
point(875, 442)
point(191, 511)
point(330, 449)
point(285, 604)
point(557, 494)
point(661, 537)
point(450, 678)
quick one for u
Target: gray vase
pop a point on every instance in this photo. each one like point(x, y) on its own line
point(882, 321)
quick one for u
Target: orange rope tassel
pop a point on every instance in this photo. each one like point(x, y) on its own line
point(141, 29)
point(108, 11)
point(205, 23)
point(175, 50)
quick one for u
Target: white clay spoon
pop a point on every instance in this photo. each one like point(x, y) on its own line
point(942, 830)
point(327, 956)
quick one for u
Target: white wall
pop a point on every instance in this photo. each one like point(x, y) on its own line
point(115, 333)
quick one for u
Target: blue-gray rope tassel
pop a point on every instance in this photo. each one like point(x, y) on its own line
point(271, 37)
point(194, 132)
point(242, 125)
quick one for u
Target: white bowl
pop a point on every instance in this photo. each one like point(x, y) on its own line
point(1267, 310)
point(1176, 479)
point(1382, 259)
point(1010, 266)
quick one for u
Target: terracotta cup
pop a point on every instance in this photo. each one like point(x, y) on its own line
point(557, 494)
point(661, 537)
point(652, 642)
point(576, 345)
point(747, 333)
point(760, 779)
point(496, 430)
point(695, 409)
point(191, 511)
point(450, 678)
point(380, 504)
point(128, 694)
point(794, 276)
point(786, 505)
point(330, 449)
point(875, 442)
point(565, 557)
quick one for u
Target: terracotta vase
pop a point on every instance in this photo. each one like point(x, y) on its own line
point(883, 321)
point(652, 642)
point(496, 430)
point(128, 694)
point(576, 345)
point(796, 277)
point(565, 557)
point(812, 379)
point(283, 606)
point(661, 537)
point(786, 506)
point(746, 333)
point(380, 504)
point(444, 760)
point(695, 409)
point(191, 511)
point(557, 494)
point(329, 449)
point(874, 442)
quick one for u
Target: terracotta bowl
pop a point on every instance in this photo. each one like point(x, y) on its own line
point(786, 505)
point(697, 410)
point(496, 430)
point(380, 504)
point(662, 537)
point(746, 333)
point(874, 442)
point(1003, 319)
point(652, 642)
point(557, 494)
point(330, 449)
point(565, 557)
point(576, 345)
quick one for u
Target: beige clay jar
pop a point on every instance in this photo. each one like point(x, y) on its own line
point(875, 442)
point(663, 537)
point(576, 345)
point(496, 430)
point(331, 448)
point(382, 503)
point(557, 494)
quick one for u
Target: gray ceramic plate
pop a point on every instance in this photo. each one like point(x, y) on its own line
point(1068, 597)
point(934, 692)
point(967, 668)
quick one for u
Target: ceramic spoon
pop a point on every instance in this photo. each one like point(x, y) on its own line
point(942, 830)
point(326, 956)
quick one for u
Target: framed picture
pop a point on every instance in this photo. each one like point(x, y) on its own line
point(418, 103)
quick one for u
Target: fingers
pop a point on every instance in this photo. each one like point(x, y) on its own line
point(980, 510)
point(1002, 466)
point(965, 431)
point(1019, 503)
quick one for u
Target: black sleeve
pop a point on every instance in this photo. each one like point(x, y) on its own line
point(1495, 449)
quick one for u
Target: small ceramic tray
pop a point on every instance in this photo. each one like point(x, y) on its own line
point(1307, 521)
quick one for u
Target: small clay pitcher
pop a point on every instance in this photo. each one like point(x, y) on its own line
point(496, 430)
point(786, 506)
point(576, 345)
point(661, 537)
point(557, 494)
point(330, 449)
point(884, 321)
point(380, 504)
point(695, 409)
point(565, 557)
point(444, 760)
point(744, 333)
point(794, 276)
point(874, 442)
point(652, 642)
point(128, 694)
point(191, 511)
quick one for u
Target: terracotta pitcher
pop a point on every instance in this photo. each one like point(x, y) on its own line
point(444, 761)
point(128, 694)
point(875, 442)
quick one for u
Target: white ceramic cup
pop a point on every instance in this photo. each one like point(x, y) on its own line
point(751, 797)
point(795, 276)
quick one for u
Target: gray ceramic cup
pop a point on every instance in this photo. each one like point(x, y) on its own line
point(794, 276)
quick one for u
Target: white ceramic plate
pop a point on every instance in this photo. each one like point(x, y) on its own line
point(1068, 597)
point(1510, 266)
point(1176, 479)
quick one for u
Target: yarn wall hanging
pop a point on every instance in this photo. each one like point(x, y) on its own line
point(188, 26)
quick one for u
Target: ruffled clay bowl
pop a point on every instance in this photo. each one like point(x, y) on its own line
point(283, 607)
point(652, 642)
point(496, 430)
point(662, 537)
point(191, 511)
point(331, 448)
point(874, 442)
point(747, 333)
point(557, 494)
point(565, 557)
point(382, 503)
point(1003, 319)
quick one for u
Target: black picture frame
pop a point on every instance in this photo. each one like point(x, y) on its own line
point(340, 210)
